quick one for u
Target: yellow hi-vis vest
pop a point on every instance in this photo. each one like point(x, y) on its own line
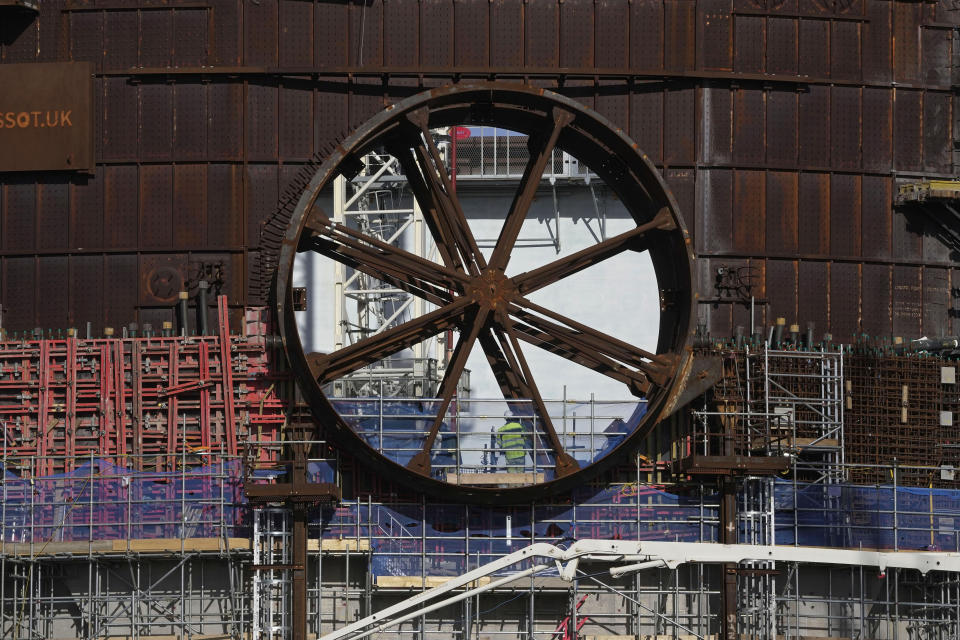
point(511, 440)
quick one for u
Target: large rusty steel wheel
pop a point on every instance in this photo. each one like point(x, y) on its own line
point(481, 298)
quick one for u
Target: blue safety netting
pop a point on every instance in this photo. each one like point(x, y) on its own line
point(868, 517)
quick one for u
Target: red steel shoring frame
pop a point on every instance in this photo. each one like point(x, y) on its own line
point(226, 367)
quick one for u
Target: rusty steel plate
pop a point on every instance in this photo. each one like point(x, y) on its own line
point(478, 295)
point(46, 120)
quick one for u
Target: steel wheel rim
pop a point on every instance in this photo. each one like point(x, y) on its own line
point(589, 137)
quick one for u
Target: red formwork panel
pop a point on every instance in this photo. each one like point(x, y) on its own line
point(155, 399)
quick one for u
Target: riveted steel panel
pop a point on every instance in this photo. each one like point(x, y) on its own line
point(679, 136)
point(87, 38)
point(781, 289)
point(190, 122)
point(845, 215)
point(935, 62)
point(162, 277)
point(541, 23)
point(877, 42)
point(86, 293)
point(844, 300)
point(121, 200)
point(679, 25)
point(20, 287)
point(781, 119)
point(507, 40)
point(682, 183)
point(191, 37)
point(611, 34)
point(156, 38)
point(749, 194)
point(227, 37)
point(53, 212)
point(936, 301)
point(156, 206)
point(717, 317)
point(122, 274)
point(224, 132)
point(876, 211)
point(52, 273)
point(646, 121)
point(934, 248)
point(121, 33)
point(120, 120)
point(782, 205)
point(813, 223)
point(845, 127)
point(189, 206)
point(715, 213)
point(262, 122)
point(437, 33)
point(576, 33)
point(366, 34)
point(814, 48)
point(845, 50)
point(875, 314)
point(907, 301)
point(907, 130)
point(401, 32)
point(748, 121)
point(333, 35)
point(906, 35)
point(20, 214)
point(907, 242)
point(646, 34)
point(877, 128)
point(296, 121)
point(783, 48)
point(815, 127)
point(937, 142)
point(261, 199)
point(749, 35)
point(260, 32)
point(714, 35)
point(471, 24)
point(716, 112)
point(156, 121)
point(225, 204)
point(813, 291)
point(86, 212)
point(296, 33)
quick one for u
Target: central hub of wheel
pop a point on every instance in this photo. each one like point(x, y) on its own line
point(492, 289)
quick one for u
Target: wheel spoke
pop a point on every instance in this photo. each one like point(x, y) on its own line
point(540, 154)
point(636, 239)
point(402, 264)
point(560, 343)
point(607, 344)
point(447, 193)
point(504, 367)
point(448, 389)
point(425, 196)
point(330, 366)
point(564, 462)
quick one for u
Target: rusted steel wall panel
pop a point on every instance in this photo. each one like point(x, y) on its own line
point(875, 292)
point(907, 301)
point(844, 299)
point(813, 290)
point(876, 216)
point(86, 292)
point(782, 208)
point(714, 213)
point(20, 289)
point(845, 215)
point(936, 301)
point(52, 273)
point(749, 193)
point(801, 164)
point(714, 35)
point(813, 224)
point(781, 289)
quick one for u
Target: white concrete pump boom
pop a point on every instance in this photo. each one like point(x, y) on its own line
point(630, 557)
